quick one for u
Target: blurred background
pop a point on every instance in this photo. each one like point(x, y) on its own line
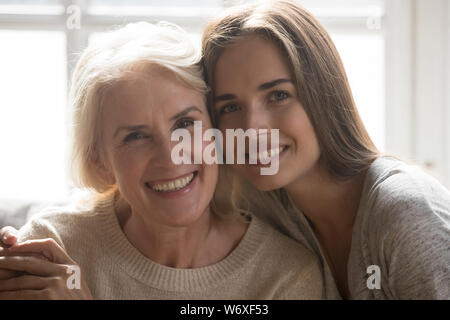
point(396, 54)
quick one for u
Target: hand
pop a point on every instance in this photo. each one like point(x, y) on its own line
point(41, 279)
point(8, 238)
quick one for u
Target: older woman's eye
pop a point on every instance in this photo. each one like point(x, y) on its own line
point(279, 96)
point(228, 109)
point(134, 136)
point(184, 123)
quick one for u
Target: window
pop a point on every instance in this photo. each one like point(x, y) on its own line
point(37, 57)
point(32, 114)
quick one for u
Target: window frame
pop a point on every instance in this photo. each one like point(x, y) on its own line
point(407, 47)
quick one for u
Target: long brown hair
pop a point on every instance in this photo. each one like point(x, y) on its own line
point(322, 84)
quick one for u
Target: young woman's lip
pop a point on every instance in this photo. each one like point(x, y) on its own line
point(285, 146)
point(170, 179)
point(259, 164)
point(269, 147)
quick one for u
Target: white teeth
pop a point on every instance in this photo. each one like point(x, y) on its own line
point(267, 154)
point(173, 185)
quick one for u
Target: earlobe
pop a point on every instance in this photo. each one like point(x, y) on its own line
point(109, 177)
point(104, 170)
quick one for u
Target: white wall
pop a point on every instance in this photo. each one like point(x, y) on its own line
point(418, 67)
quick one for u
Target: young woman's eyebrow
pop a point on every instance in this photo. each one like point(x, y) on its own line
point(129, 128)
point(185, 112)
point(273, 83)
point(224, 97)
point(264, 86)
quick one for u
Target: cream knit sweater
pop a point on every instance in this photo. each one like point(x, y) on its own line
point(264, 265)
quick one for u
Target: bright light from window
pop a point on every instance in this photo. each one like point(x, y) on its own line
point(32, 114)
point(363, 58)
point(33, 77)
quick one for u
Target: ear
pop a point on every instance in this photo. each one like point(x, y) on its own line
point(104, 169)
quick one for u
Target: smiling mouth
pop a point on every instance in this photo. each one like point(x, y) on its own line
point(172, 185)
point(267, 154)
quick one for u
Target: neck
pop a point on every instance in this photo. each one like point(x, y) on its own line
point(331, 205)
point(204, 242)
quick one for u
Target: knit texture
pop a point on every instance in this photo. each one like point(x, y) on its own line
point(264, 265)
point(402, 226)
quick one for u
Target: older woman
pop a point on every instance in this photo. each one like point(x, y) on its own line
point(153, 231)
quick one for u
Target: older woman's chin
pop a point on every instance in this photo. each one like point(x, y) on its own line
point(181, 207)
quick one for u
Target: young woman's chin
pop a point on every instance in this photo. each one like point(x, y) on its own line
point(288, 172)
point(262, 182)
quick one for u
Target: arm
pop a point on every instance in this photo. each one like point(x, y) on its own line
point(413, 239)
point(37, 269)
point(419, 266)
point(56, 277)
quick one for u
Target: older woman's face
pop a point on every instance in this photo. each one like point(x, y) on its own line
point(138, 119)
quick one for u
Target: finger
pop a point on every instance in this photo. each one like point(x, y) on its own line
point(8, 252)
point(9, 235)
point(25, 282)
point(24, 295)
point(8, 274)
point(32, 265)
point(47, 247)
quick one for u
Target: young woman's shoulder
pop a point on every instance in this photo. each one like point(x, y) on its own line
point(396, 193)
point(404, 220)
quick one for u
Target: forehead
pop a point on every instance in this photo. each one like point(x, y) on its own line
point(252, 61)
point(153, 93)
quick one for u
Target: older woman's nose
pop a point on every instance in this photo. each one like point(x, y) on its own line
point(162, 154)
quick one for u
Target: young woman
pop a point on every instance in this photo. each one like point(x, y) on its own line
point(154, 230)
point(380, 227)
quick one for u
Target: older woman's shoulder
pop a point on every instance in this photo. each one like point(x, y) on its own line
point(284, 248)
point(65, 224)
point(297, 269)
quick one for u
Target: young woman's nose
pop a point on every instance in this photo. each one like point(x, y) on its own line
point(255, 118)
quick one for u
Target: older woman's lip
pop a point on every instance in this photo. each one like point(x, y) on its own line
point(170, 179)
point(176, 193)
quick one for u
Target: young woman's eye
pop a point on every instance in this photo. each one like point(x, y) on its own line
point(228, 109)
point(279, 96)
point(184, 123)
point(134, 136)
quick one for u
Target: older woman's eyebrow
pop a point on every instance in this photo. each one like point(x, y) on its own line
point(129, 128)
point(185, 112)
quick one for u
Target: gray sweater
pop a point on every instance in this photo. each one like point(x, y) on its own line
point(401, 236)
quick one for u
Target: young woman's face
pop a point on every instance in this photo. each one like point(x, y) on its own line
point(138, 119)
point(254, 88)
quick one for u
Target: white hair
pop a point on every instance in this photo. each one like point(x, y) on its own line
point(114, 58)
